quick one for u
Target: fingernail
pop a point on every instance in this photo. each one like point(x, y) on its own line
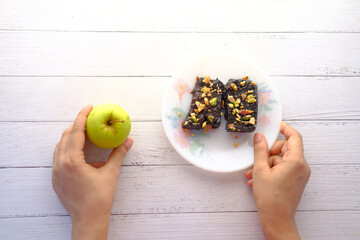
point(257, 137)
point(128, 143)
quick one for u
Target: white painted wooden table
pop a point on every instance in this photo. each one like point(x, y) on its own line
point(57, 56)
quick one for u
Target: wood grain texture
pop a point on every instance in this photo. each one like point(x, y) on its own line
point(160, 54)
point(176, 189)
point(57, 56)
point(60, 99)
point(183, 16)
point(241, 225)
point(31, 144)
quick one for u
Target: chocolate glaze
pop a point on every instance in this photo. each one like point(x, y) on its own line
point(214, 111)
point(242, 126)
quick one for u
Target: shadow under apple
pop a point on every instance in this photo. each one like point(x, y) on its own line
point(94, 153)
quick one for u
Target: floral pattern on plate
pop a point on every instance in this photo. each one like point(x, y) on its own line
point(190, 140)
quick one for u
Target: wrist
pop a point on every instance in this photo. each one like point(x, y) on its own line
point(279, 230)
point(91, 228)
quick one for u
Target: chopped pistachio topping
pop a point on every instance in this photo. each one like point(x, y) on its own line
point(192, 114)
point(213, 102)
point(203, 125)
point(231, 126)
point(186, 123)
point(231, 105)
point(206, 101)
point(201, 107)
point(246, 118)
point(251, 99)
point(243, 96)
point(205, 90)
point(211, 118)
point(193, 118)
point(249, 112)
point(252, 121)
point(236, 104)
point(206, 79)
point(234, 111)
point(203, 95)
point(231, 98)
point(238, 100)
point(233, 86)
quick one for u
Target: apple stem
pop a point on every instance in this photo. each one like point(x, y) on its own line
point(110, 122)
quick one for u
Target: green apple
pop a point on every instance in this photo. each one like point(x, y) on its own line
point(108, 125)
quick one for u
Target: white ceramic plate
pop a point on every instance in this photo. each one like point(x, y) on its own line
point(215, 150)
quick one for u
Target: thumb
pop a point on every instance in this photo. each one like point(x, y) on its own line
point(117, 155)
point(260, 153)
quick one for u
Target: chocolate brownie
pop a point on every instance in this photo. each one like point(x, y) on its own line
point(241, 105)
point(205, 107)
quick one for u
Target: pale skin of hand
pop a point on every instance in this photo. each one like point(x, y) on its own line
point(86, 190)
point(278, 179)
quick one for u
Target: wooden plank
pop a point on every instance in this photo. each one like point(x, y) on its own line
point(199, 16)
point(236, 225)
point(54, 99)
point(319, 98)
point(325, 143)
point(151, 145)
point(176, 189)
point(154, 54)
point(60, 99)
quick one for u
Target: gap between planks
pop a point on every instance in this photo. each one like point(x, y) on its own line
point(174, 32)
point(167, 76)
point(159, 120)
point(177, 213)
point(173, 165)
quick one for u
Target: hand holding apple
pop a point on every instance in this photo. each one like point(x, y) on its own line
point(108, 125)
point(86, 190)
